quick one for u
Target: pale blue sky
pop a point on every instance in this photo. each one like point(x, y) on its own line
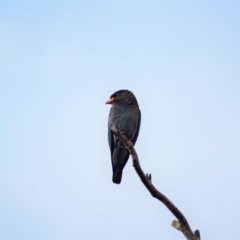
point(60, 62)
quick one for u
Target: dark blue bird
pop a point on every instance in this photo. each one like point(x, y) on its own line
point(126, 116)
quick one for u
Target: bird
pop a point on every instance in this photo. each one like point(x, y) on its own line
point(126, 116)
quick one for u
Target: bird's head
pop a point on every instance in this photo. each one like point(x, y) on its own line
point(122, 96)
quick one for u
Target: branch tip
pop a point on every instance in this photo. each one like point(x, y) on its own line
point(176, 225)
point(149, 177)
point(197, 234)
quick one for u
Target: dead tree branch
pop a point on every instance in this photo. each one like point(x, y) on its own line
point(182, 224)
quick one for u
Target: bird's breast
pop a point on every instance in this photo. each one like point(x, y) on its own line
point(125, 119)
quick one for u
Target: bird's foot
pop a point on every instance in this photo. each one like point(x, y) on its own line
point(119, 131)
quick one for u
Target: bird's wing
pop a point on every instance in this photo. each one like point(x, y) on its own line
point(138, 127)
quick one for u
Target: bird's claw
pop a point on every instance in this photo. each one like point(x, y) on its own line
point(119, 130)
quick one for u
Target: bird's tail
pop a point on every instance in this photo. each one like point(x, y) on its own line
point(117, 175)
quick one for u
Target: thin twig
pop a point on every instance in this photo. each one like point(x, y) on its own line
point(182, 224)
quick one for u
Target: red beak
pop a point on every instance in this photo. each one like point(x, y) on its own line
point(110, 101)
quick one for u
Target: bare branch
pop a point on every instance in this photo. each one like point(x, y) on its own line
point(182, 224)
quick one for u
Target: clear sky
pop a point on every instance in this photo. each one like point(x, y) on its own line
point(60, 62)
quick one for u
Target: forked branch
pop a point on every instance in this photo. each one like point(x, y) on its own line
point(182, 224)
